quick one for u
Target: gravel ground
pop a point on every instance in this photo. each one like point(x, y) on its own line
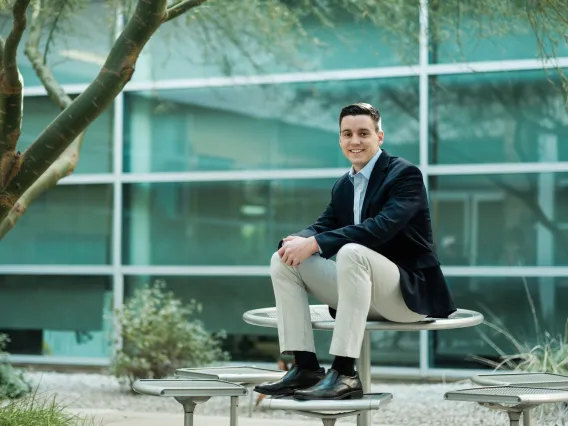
point(413, 404)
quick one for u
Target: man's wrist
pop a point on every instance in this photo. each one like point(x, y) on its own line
point(315, 248)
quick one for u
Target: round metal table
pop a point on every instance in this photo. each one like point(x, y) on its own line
point(322, 320)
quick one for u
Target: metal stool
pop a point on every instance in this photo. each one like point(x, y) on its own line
point(243, 375)
point(515, 400)
point(189, 393)
point(535, 380)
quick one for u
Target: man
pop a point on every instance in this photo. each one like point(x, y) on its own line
point(378, 226)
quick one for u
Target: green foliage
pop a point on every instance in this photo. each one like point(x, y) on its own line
point(160, 334)
point(12, 382)
point(35, 411)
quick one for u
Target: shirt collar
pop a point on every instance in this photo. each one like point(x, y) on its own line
point(366, 171)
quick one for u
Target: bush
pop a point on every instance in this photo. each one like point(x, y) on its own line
point(160, 335)
point(32, 411)
point(12, 382)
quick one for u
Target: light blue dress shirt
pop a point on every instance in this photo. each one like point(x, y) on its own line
point(360, 182)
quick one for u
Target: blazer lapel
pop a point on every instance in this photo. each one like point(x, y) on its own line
point(377, 177)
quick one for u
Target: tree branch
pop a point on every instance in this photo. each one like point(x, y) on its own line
point(66, 163)
point(71, 122)
point(63, 166)
point(182, 7)
point(53, 88)
point(12, 100)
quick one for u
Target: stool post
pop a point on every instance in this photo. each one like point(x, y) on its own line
point(328, 422)
point(364, 369)
point(514, 418)
point(250, 400)
point(234, 416)
point(527, 417)
point(188, 408)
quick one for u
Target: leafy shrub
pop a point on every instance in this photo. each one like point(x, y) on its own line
point(33, 411)
point(160, 335)
point(12, 382)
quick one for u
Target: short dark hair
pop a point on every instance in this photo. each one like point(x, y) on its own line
point(362, 109)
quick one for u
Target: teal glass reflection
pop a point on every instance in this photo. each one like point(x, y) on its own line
point(506, 302)
point(67, 225)
point(220, 46)
point(471, 37)
point(500, 220)
point(77, 49)
point(216, 223)
point(57, 316)
point(96, 152)
point(283, 126)
point(504, 117)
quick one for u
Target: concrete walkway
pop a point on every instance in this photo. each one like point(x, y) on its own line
point(125, 418)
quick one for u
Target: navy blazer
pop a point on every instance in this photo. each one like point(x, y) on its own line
point(395, 222)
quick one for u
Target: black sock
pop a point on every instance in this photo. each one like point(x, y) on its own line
point(306, 360)
point(344, 365)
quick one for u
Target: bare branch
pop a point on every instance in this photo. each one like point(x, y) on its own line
point(63, 166)
point(2, 46)
point(12, 100)
point(70, 123)
point(53, 88)
point(181, 8)
point(11, 49)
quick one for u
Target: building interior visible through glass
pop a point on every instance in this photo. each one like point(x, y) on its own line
point(231, 199)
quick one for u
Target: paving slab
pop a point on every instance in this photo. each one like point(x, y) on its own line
point(104, 417)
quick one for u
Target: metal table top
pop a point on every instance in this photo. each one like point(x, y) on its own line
point(322, 320)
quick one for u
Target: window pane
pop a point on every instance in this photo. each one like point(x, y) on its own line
point(504, 302)
point(96, 151)
point(69, 224)
point(57, 315)
point(217, 223)
point(261, 127)
point(210, 52)
point(500, 220)
point(77, 51)
point(484, 36)
point(510, 117)
point(225, 299)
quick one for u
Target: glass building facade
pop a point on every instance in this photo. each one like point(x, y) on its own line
point(194, 174)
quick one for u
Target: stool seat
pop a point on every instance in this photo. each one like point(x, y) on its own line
point(539, 380)
point(246, 375)
point(329, 410)
point(514, 400)
point(187, 388)
point(189, 393)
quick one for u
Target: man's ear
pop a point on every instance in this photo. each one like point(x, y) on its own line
point(381, 137)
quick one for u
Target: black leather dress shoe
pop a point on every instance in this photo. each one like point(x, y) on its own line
point(293, 380)
point(333, 386)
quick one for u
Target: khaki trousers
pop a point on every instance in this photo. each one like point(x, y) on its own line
point(360, 285)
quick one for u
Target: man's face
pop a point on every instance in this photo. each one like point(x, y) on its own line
point(359, 139)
